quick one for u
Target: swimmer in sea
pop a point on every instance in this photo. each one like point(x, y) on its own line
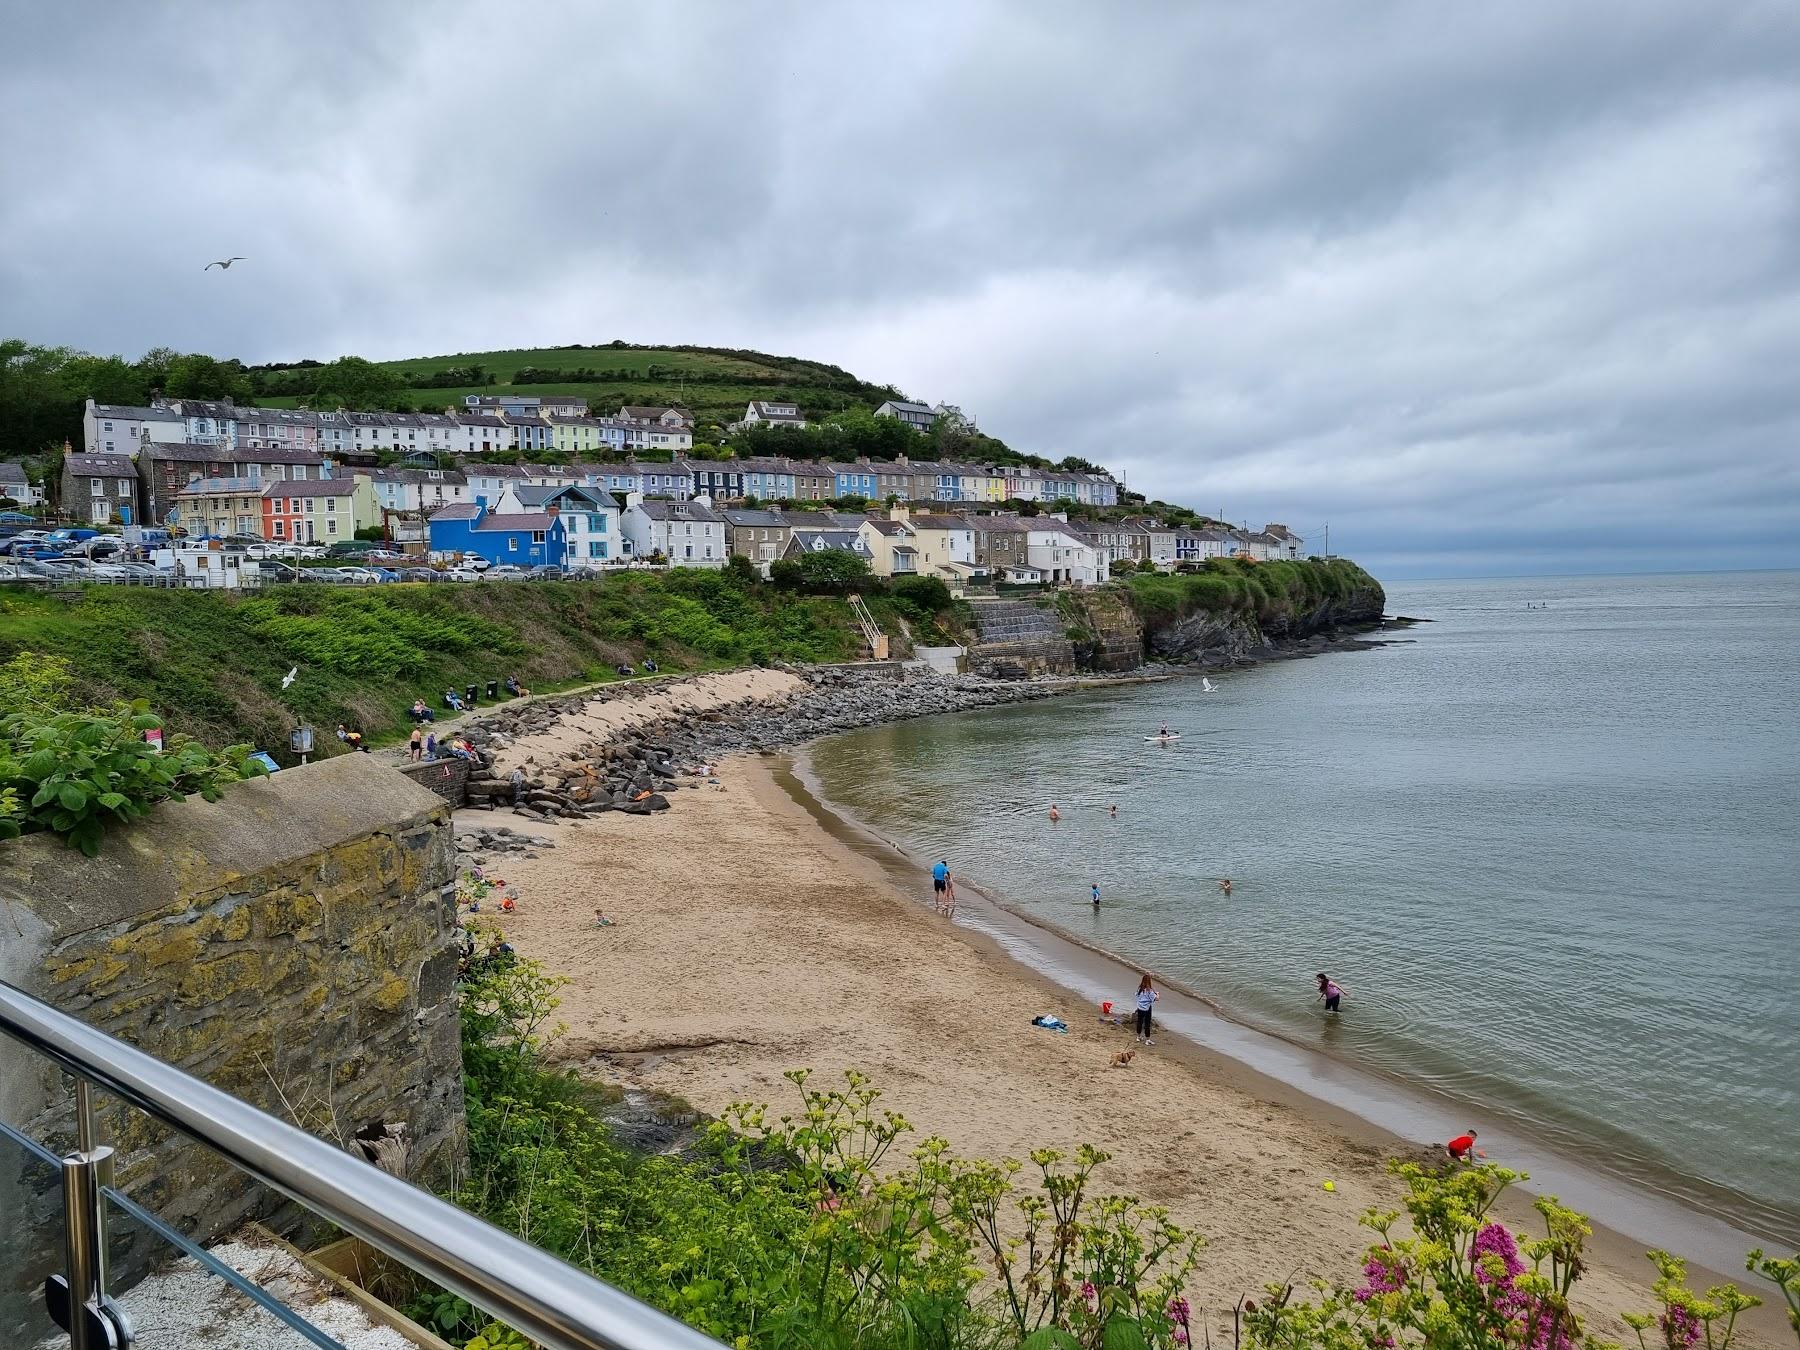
point(1225, 885)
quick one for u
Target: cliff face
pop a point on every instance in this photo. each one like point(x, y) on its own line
point(1237, 611)
point(1104, 630)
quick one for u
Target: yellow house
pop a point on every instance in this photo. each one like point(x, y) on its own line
point(893, 548)
point(977, 484)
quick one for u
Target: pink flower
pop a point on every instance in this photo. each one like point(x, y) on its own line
point(1680, 1326)
point(1180, 1336)
point(1178, 1310)
point(1382, 1274)
point(1090, 1296)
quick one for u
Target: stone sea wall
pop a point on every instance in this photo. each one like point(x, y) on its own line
point(291, 943)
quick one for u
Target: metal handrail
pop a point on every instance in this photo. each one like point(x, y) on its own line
point(538, 1294)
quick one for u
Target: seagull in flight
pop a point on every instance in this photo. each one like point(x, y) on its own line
point(224, 263)
point(289, 678)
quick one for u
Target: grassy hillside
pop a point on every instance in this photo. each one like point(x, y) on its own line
point(212, 662)
point(715, 383)
point(1275, 594)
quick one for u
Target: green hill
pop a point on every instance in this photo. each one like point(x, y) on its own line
point(714, 382)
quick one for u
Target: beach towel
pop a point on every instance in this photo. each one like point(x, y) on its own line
point(1050, 1022)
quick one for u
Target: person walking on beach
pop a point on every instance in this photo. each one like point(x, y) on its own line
point(1330, 991)
point(415, 745)
point(940, 885)
point(949, 897)
point(1462, 1148)
point(1146, 1000)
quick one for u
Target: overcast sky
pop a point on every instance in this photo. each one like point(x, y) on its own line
point(1491, 288)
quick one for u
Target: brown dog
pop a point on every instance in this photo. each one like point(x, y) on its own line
point(1123, 1059)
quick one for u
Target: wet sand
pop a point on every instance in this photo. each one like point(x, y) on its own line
point(751, 940)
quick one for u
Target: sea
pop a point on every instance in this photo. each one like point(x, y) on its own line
point(1548, 842)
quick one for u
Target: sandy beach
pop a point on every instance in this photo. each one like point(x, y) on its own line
point(750, 940)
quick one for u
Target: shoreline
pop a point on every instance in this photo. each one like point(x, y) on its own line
point(752, 939)
point(1628, 1215)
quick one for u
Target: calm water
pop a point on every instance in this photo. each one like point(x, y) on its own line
point(1553, 856)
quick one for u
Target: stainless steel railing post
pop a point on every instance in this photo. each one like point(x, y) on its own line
point(91, 1319)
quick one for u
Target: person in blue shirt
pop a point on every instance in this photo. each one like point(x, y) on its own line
point(940, 885)
point(1096, 895)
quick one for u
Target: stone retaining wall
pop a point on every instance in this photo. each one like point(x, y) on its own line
point(291, 943)
point(448, 777)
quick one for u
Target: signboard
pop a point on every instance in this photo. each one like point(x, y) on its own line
point(300, 740)
point(262, 758)
point(153, 739)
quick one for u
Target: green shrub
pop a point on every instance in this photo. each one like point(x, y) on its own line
point(76, 773)
point(921, 597)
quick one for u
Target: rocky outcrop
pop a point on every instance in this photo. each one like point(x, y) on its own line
point(1228, 637)
point(1105, 630)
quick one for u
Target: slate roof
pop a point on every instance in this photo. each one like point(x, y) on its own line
point(457, 511)
point(311, 487)
point(100, 466)
point(524, 520)
point(661, 508)
point(125, 412)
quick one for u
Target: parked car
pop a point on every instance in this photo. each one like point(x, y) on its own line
point(506, 571)
point(72, 534)
point(462, 574)
point(99, 547)
point(269, 569)
point(24, 539)
point(418, 574)
point(15, 572)
point(546, 572)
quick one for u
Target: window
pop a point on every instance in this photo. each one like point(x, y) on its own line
point(106, 426)
point(96, 488)
point(276, 529)
point(109, 447)
point(688, 551)
point(309, 505)
point(331, 525)
point(512, 543)
point(537, 536)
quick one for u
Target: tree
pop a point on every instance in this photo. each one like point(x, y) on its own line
point(199, 376)
point(353, 382)
point(925, 595)
point(740, 567)
point(833, 570)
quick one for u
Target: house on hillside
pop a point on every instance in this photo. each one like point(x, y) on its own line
point(770, 412)
point(687, 534)
point(806, 541)
point(481, 433)
point(118, 429)
point(572, 434)
point(221, 506)
point(324, 512)
point(591, 519)
point(854, 480)
point(677, 418)
point(946, 544)
point(893, 548)
point(915, 415)
point(563, 405)
point(523, 538)
point(99, 489)
point(1287, 543)
point(16, 484)
point(488, 481)
point(415, 491)
point(760, 536)
point(813, 482)
point(1122, 540)
point(164, 470)
point(530, 431)
point(722, 480)
point(1064, 554)
point(504, 405)
point(1000, 541)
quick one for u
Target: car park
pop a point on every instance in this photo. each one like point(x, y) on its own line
point(15, 572)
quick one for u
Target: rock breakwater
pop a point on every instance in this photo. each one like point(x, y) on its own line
point(631, 748)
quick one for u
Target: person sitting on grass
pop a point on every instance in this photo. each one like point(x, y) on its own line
point(453, 700)
point(514, 688)
point(420, 713)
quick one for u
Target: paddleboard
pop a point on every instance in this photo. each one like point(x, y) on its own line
point(1172, 736)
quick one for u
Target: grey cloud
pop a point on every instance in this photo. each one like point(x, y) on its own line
point(1489, 288)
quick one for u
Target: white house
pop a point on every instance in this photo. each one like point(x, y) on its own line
point(1063, 554)
point(1287, 543)
point(480, 433)
point(591, 519)
point(116, 429)
point(488, 481)
point(412, 491)
point(688, 534)
point(16, 486)
point(770, 412)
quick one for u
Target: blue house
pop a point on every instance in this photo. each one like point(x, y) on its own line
point(525, 538)
point(856, 480)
